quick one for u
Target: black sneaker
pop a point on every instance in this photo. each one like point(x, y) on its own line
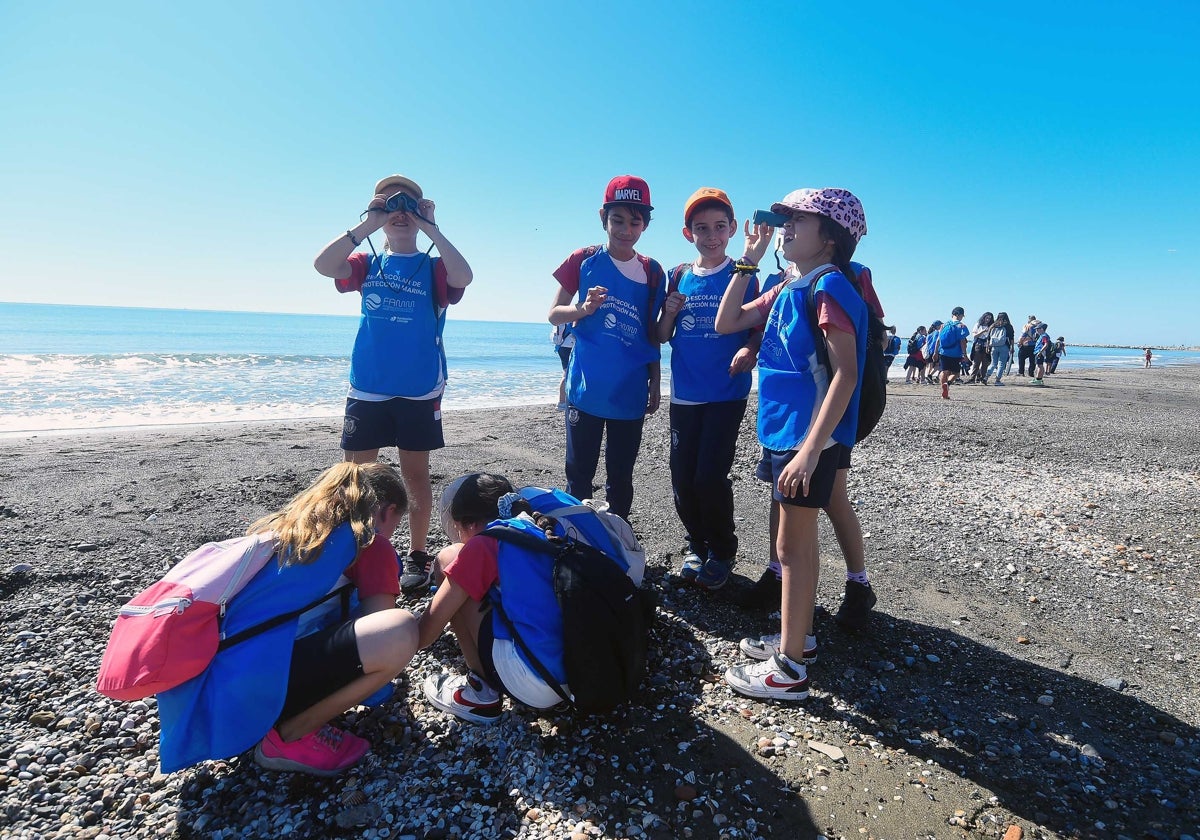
point(855, 612)
point(415, 577)
point(765, 595)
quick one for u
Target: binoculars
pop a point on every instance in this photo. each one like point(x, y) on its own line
point(401, 201)
point(766, 217)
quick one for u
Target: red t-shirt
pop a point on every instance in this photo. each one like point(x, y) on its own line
point(377, 570)
point(477, 566)
point(361, 262)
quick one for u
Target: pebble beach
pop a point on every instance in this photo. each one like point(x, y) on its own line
point(1030, 669)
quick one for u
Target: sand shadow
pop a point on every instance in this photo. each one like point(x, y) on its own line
point(1058, 750)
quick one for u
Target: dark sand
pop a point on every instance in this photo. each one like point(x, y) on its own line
point(1034, 542)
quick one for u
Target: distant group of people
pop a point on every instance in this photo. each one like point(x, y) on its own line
point(612, 310)
point(953, 350)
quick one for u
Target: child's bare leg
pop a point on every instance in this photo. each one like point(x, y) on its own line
point(387, 640)
point(360, 456)
point(845, 524)
point(414, 467)
point(799, 558)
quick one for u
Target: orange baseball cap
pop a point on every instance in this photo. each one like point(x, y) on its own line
point(705, 194)
point(401, 183)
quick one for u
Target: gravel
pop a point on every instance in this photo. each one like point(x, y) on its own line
point(1031, 661)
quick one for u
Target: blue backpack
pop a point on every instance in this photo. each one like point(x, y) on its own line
point(591, 522)
point(572, 610)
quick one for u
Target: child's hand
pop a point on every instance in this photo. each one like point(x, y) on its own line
point(596, 297)
point(426, 209)
point(757, 239)
point(743, 360)
point(674, 303)
point(797, 475)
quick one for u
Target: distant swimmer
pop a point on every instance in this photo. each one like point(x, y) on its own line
point(1149, 356)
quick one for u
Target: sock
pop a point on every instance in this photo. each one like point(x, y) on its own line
point(798, 667)
point(776, 568)
point(810, 642)
point(858, 577)
point(483, 689)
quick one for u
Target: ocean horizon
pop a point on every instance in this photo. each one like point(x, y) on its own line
point(67, 368)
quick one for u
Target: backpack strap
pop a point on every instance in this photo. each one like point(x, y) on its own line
point(654, 279)
point(342, 592)
point(530, 542)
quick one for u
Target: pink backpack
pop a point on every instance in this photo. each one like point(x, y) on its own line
point(170, 632)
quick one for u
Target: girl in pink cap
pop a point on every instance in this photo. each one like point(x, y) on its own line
point(807, 412)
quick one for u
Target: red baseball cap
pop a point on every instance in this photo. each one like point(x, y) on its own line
point(627, 189)
point(705, 194)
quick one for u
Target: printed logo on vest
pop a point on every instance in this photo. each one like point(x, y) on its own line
point(372, 301)
point(610, 320)
point(687, 322)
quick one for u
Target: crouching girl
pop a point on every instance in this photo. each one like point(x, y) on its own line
point(283, 685)
point(471, 566)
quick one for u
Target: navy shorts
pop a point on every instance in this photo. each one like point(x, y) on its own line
point(564, 353)
point(820, 485)
point(950, 363)
point(411, 425)
point(763, 469)
point(322, 662)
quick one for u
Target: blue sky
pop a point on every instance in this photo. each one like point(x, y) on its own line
point(1039, 158)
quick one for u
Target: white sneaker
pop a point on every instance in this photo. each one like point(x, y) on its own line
point(772, 679)
point(764, 647)
point(465, 696)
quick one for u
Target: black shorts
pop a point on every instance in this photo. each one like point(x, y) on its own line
point(950, 363)
point(322, 662)
point(411, 425)
point(820, 484)
point(762, 471)
point(564, 353)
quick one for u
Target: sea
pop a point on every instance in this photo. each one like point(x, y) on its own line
point(76, 369)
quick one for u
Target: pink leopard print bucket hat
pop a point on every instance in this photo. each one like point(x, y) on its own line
point(838, 204)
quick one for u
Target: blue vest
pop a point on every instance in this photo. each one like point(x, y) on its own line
point(398, 349)
point(232, 704)
point(526, 591)
point(791, 382)
point(608, 374)
point(700, 356)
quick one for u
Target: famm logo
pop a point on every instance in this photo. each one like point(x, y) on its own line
point(628, 194)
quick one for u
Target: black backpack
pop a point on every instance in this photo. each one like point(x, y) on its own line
point(913, 345)
point(872, 397)
point(605, 619)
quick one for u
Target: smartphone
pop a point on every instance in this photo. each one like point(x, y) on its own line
point(766, 217)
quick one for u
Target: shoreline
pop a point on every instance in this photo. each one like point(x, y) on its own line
point(1031, 660)
point(895, 377)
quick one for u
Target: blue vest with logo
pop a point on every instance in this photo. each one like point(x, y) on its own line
point(608, 374)
point(230, 705)
point(700, 356)
point(791, 382)
point(398, 349)
point(526, 591)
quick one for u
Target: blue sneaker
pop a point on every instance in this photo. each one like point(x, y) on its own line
point(692, 566)
point(714, 575)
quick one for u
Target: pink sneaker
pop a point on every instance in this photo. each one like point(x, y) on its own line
point(326, 752)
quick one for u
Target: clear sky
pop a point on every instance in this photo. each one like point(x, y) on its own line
point(1036, 157)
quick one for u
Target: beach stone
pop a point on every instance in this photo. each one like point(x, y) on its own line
point(829, 750)
point(685, 793)
point(21, 569)
point(43, 719)
point(1115, 683)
